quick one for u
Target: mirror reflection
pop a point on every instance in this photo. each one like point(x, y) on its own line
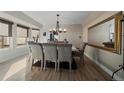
point(103, 34)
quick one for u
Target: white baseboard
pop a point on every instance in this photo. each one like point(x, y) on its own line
point(104, 68)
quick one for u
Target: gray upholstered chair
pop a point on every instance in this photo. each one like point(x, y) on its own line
point(50, 53)
point(80, 52)
point(36, 52)
point(64, 54)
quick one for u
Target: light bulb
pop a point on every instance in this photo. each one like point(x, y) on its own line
point(60, 29)
point(65, 30)
point(54, 29)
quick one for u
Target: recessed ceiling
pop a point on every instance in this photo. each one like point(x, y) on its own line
point(66, 17)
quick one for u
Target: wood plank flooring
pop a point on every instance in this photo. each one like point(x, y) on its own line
point(84, 72)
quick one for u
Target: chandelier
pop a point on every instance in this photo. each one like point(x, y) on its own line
point(58, 29)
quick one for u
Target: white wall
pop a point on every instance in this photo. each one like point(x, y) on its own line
point(107, 60)
point(72, 34)
point(44, 29)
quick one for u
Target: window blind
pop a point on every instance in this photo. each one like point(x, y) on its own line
point(22, 32)
point(4, 29)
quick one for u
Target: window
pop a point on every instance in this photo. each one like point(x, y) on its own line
point(35, 34)
point(111, 32)
point(5, 33)
point(22, 34)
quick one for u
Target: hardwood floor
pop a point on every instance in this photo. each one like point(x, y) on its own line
point(88, 72)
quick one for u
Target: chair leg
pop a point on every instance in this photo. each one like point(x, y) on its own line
point(32, 63)
point(83, 58)
point(58, 65)
point(41, 65)
point(28, 68)
point(70, 66)
point(45, 65)
point(28, 59)
point(55, 65)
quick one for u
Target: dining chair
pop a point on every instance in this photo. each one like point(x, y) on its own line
point(36, 51)
point(80, 52)
point(29, 44)
point(64, 54)
point(50, 53)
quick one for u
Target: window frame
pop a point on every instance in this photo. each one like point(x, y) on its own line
point(9, 23)
point(27, 34)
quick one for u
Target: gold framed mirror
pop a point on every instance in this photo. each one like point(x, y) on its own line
point(107, 34)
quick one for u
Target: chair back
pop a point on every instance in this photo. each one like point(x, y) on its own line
point(64, 52)
point(36, 50)
point(50, 51)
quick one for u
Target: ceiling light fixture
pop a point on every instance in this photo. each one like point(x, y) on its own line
point(58, 29)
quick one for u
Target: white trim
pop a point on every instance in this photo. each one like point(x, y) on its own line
point(104, 68)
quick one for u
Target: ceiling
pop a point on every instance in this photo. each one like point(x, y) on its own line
point(48, 18)
point(66, 17)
